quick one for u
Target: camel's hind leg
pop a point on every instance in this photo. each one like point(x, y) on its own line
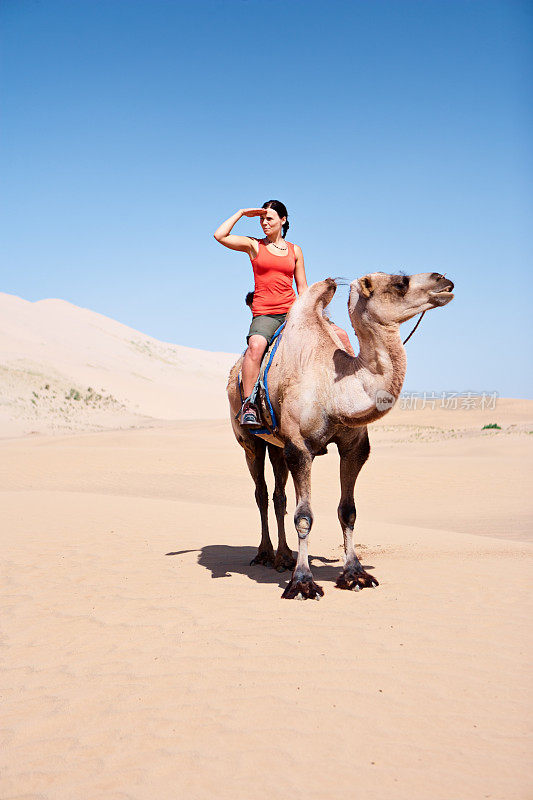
point(353, 455)
point(299, 461)
point(255, 459)
point(284, 557)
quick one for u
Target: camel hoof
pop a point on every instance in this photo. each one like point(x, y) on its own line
point(284, 561)
point(355, 581)
point(264, 559)
point(303, 590)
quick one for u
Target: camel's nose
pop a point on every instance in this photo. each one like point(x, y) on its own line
point(443, 284)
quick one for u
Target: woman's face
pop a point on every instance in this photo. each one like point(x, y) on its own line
point(271, 222)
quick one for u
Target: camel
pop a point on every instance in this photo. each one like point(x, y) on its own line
point(322, 394)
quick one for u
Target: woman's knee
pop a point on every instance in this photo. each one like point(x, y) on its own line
point(256, 347)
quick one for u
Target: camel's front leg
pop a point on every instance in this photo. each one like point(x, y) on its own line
point(353, 456)
point(299, 462)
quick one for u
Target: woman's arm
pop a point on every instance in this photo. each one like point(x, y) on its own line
point(244, 244)
point(299, 270)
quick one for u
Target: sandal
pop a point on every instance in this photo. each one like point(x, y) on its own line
point(250, 415)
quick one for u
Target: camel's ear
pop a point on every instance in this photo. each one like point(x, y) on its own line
point(365, 286)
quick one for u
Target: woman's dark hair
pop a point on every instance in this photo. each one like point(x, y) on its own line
point(281, 211)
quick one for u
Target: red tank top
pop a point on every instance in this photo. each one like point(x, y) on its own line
point(273, 293)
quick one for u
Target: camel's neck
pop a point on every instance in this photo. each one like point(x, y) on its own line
point(377, 372)
point(382, 353)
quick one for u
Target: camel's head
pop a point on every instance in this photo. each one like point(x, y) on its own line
point(389, 299)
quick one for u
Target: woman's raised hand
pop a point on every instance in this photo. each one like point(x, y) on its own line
point(253, 212)
point(243, 243)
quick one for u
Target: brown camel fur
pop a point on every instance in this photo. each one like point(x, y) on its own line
point(322, 394)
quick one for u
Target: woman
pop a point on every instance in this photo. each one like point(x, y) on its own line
point(275, 263)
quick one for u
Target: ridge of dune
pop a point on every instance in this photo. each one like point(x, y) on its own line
point(68, 368)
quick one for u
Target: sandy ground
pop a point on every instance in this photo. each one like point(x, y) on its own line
point(144, 658)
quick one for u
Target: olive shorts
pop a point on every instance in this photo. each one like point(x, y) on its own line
point(266, 325)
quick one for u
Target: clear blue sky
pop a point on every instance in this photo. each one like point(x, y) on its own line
point(397, 133)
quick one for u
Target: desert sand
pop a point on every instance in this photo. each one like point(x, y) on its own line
point(144, 658)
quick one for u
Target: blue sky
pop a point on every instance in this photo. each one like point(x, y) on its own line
point(397, 133)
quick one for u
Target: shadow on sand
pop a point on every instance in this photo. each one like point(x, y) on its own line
point(224, 560)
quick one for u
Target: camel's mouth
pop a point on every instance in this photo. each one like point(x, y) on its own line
point(443, 293)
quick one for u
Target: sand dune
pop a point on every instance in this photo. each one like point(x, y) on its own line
point(65, 368)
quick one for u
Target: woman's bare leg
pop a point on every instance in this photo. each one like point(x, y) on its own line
point(251, 364)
